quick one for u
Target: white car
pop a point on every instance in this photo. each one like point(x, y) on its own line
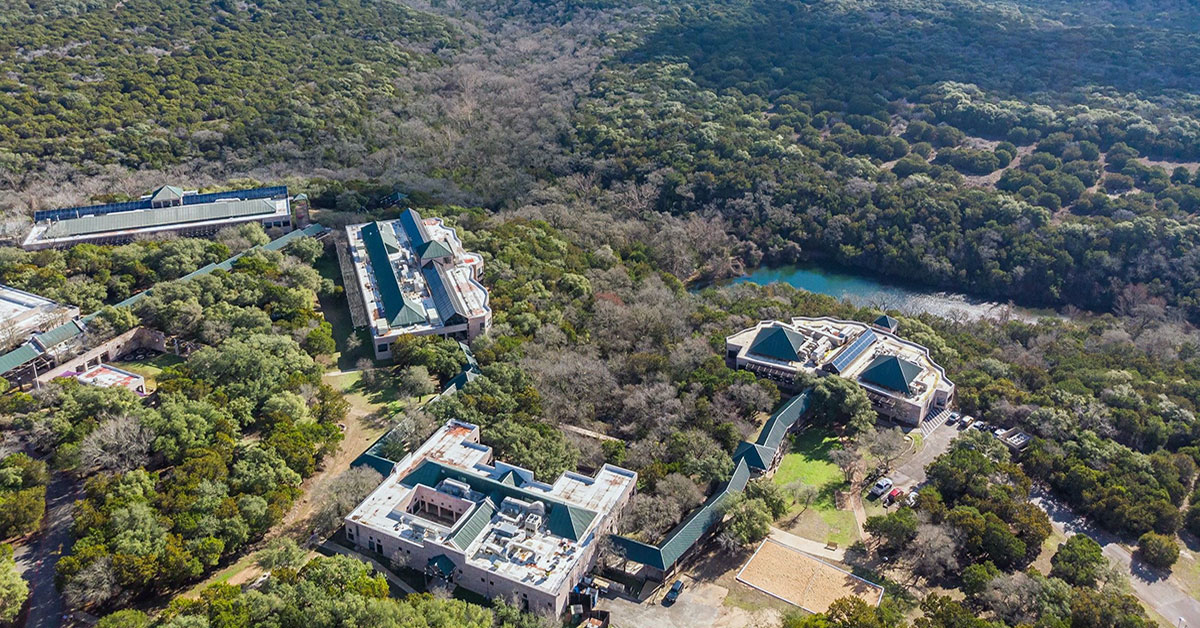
point(881, 487)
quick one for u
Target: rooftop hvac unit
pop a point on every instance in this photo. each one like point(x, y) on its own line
point(533, 522)
point(451, 486)
point(514, 505)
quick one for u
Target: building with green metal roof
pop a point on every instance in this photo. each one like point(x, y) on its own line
point(168, 210)
point(890, 372)
point(488, 526)
point(414, 278)
point(900, 377)
point(749, 458)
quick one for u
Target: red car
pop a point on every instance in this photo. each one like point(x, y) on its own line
point(893, 496)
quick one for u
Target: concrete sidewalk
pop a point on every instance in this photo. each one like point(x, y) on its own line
point(807, 546)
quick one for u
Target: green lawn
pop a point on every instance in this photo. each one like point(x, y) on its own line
point(150, 368)
point(808, 461)
point(337, 312)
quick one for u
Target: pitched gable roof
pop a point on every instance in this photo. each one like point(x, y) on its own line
point(887, 322)
point(778, 343)
point(474, 523)
point(891, 373)
point(433, 249)
point(167, 193)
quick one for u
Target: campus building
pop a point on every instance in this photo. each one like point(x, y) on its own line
point(901, 379)
point(167, 210)
point(109, 376)
point(450, 510)
point(23, 314)
point(412, 276)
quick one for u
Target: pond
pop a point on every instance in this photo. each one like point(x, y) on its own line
point(883, 293)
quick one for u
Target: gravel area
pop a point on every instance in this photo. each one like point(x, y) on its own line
point(800, 579)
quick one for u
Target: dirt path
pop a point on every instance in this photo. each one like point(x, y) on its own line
point(589, 433)
point(360, 433)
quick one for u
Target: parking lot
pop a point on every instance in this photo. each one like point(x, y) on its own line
point(911, 472)
point(701, 605)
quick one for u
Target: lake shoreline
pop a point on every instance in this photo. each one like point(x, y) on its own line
point(883, 292)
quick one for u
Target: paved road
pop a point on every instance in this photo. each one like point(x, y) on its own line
point(1157, 589)
point(911, 472)
point(37, 559)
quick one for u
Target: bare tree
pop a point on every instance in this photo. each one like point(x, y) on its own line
point(94, 584)
point(341, 495)
point(119, 444)
point(886, 445)
point(934, 552)
point(848, 460)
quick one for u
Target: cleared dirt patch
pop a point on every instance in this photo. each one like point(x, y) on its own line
point(800, 579)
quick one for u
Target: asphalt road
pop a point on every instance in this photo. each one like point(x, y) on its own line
point(1157, 589)
point(37, 559)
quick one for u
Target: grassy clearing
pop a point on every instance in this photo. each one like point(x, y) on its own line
point(151, 368)
point(335, 310)
point(808, 461)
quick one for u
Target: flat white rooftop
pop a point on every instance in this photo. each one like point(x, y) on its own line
point(14, 303)
point(496, 515)
point(108, 376)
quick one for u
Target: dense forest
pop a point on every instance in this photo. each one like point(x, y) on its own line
point(606, 158)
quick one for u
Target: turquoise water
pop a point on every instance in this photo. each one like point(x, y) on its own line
point(865, 291)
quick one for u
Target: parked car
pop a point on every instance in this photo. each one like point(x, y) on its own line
point(893, 496)
point(967, 421)
point(673, 594)
point(953, 418)
point(911, 500)
point(881, 487)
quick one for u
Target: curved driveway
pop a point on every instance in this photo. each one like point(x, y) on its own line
point(1158, 590)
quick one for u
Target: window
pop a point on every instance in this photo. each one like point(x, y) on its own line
point(382, 348)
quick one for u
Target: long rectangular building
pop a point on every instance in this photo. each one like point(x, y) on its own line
point(899, 376)
point(450, 510)
point(415, 278)
point(23, 314)
point(167, 210)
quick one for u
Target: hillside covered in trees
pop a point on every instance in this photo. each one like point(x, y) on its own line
point(606, 158)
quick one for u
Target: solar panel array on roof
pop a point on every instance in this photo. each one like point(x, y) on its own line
point(445, 298)
point(856, 348)
point(194, 199)
point(414, 228)
point(158, 217)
